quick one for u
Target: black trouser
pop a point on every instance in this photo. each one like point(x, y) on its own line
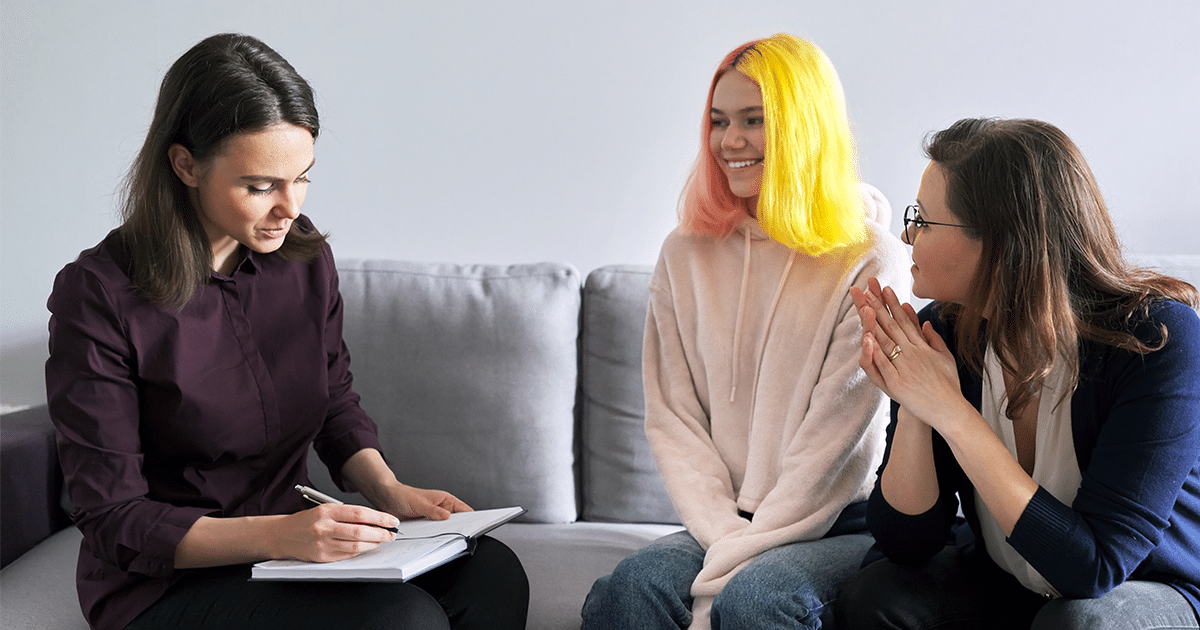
point(486, 590)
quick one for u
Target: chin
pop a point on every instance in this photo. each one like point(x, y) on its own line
point(265, 246)
point(920, 292)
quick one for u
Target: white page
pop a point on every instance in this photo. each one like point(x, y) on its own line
point(469, 524)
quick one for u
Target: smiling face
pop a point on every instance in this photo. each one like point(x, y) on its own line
point(736, 136)
point(945, 258)
point(251, 191)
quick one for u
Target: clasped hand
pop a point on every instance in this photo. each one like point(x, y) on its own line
point(908, 361)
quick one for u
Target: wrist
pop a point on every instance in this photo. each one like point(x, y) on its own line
point(385, 495)
point(372, 477)
point(264, 532)
point(958, 422)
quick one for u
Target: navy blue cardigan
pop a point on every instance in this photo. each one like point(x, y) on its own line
point(1136, 422)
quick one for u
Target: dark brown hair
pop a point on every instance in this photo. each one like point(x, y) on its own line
point(225, 85)
point(1051, 270)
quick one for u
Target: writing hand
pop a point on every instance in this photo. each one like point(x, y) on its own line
point(331, 532)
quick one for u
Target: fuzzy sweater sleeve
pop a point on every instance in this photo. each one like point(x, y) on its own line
point(677, 427)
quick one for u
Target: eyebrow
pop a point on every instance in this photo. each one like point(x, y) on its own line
point(265, 179)
point(744, 110)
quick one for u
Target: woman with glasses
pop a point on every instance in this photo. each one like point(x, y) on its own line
point(765, 431)
point(1049, 398)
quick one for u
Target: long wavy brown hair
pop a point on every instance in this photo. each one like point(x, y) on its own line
point(225, 85)
point(1051, 271)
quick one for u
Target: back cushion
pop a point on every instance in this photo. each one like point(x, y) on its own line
point(620, 479)
point(470, 373)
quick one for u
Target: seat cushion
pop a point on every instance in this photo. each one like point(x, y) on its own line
point(39, 587)
point(620, 479)
point(470, 373)
point(562, 562)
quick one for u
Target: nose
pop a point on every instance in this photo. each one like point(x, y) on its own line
point(733, 138)
point(904, 236)
point(289, 202)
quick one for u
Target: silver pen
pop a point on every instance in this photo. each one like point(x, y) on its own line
point(316, 496)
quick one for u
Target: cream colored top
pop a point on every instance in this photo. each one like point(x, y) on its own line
point(1055, 466)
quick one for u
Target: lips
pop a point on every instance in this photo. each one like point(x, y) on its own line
point(275, 232)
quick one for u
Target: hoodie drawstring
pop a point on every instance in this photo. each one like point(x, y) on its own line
point(737, 326)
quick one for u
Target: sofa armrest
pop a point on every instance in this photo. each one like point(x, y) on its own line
point(31, 482)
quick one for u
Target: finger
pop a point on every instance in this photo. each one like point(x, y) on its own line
point(912, 314)
point(867, 362)
point(362, 533)
point(909, 325)
point(430, 507)
point(342, 549)
point(860, 299)
point(866, 315)
point(888, 327)
point(344, 536)
point(871, 327)
point(883, 365)
point(457, 505)
point(874, 287)
point(362, 515)
point(935, 340)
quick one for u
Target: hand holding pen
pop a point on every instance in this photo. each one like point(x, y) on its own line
point(320, 498)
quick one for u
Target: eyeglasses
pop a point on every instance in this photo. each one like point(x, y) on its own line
point(912, 216)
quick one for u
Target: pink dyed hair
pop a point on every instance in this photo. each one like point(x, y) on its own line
point(707, 205)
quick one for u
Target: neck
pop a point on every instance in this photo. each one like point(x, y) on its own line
point(752, 206)
point(224, 256)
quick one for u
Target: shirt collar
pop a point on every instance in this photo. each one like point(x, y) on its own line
point(247, 262)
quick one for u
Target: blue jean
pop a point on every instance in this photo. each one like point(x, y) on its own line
point(792, 586)
point(950, 592)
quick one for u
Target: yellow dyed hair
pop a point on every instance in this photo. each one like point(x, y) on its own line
point(809, 198)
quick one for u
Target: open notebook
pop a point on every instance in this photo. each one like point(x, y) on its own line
point(422, 545)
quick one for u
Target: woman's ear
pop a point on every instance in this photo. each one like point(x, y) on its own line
point(184, 165)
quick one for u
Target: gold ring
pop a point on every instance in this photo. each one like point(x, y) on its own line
point(895, 353)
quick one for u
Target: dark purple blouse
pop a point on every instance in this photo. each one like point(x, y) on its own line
point(167, 415)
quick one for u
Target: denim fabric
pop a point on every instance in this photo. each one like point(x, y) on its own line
point(791, 587)
point(1135, 605)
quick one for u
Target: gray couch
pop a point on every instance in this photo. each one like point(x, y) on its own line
point(506, 385)
point(514, 385)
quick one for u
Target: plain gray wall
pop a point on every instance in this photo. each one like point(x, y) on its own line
point(527, 130)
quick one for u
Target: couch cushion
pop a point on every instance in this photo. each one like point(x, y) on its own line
point(30, 482)
point(562, 562)
point(620, 479)
point(470, 372)
point(39, 587)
